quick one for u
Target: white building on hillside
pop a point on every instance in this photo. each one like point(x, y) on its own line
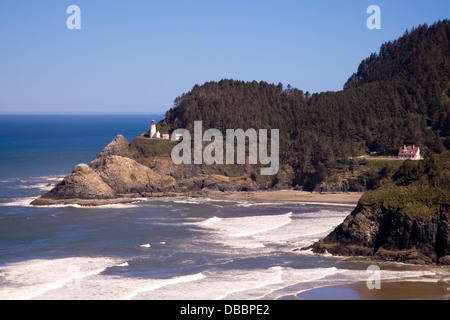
point(409, 152)
point(153, 132)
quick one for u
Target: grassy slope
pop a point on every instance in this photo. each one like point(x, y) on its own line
point(417, 189)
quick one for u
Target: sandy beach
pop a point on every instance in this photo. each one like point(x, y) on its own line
point(348, 198)
point(278, 196)
point(395, 290)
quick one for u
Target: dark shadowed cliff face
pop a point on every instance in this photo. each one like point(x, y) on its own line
point(406, 219)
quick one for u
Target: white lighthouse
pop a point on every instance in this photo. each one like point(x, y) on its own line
point(153, 132)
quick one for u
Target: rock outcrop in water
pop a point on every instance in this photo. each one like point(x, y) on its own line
point(406, 219)
point(111, 178)
point(126, 176)
point(82, 183)
point(123, 172)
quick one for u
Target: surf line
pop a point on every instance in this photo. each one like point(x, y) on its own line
point(250, 233)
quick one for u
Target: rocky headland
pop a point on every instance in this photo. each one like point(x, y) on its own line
point(124, 172)
point(405, 219)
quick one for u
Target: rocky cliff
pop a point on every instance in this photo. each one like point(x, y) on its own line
point(115, 147)
point(110, 178)
point(82, 183)
point(125, 171)
point(406, 218)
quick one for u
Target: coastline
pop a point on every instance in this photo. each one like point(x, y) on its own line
point(290, 196)
point(391, 290)
point(270, 196)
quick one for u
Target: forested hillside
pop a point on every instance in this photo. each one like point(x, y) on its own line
point(400, 95)
point(419, 63)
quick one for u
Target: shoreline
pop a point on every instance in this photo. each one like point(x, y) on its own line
point(389, 290)
point(290, 196)
point(270, 196)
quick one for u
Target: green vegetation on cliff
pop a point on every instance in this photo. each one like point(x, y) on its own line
point(400, 95)
point(143, 147)
point(405, 218)
point(417, 189)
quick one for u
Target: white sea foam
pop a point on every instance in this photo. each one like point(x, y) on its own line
point(289, 229)
point(216, 284)
point(296, 281)
point(265, 224)
point(121, 265)
point(253, 204)
point(83, 278)
point(76, 278)
point(135, 203)
point(31, 279)
point(248, 232)
point(50, 178)
point(41, 186)
point(242, 284)
point(189, 201)
point(210, 222)
point(26, 202)
point(275, 277)
point(196, 200)
point(246, 226)
point(293, 279)
point(18, 202)
point(45, 183)
point(152, 284)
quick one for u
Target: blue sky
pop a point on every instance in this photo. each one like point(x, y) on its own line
point(138, 56)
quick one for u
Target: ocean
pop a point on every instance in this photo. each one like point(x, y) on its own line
point(158, 249)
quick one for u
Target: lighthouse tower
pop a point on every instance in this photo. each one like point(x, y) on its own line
point(153, 130)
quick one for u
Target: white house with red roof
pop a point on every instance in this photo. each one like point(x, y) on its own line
point(409, 152)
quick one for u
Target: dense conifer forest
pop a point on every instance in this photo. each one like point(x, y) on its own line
point(400, 95)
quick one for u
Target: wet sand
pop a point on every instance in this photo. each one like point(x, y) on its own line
point(401, 290)
point(283, 196)
point(390, 290)
point(278, 196)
